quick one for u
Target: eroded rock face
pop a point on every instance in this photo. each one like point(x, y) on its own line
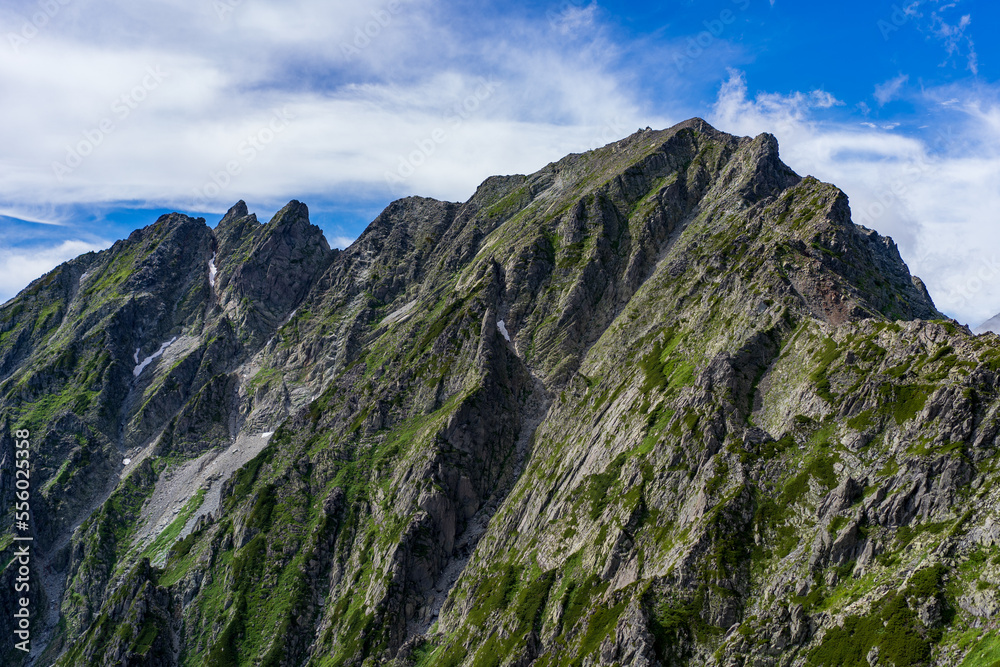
point(265, 276)
point(719, 424)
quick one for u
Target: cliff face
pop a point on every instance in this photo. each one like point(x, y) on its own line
point(659, 403)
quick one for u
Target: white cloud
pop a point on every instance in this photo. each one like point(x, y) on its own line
point(952, 33)
point(20, 266)
point(571, 18)
point(888, 91)
point(937, 198)
point(30, 216)
point(364, 84)
point(954, 38)
point(735, 112)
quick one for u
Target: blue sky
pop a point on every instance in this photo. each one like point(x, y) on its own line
point(115, 112)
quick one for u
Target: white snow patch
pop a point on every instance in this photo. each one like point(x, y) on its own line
point(151, 358)
point(267, 435)
point(212, 271)
point(136, 356)
point(126, 461)
point(503, 330)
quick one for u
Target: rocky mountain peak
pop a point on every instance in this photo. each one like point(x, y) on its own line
point(264, 271)
point(238, 210)
point(293, 225)
point(233, 231)
point(169, 226)
point(294, 212)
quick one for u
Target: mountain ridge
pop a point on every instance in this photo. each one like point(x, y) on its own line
point(715, 403)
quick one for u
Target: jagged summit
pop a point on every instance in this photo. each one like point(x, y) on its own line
point(238, 210)
point(292, 211)
point(647, 405)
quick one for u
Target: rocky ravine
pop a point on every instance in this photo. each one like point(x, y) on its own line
point(659, 403)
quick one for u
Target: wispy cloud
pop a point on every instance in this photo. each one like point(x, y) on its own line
point(955, 40)
point(888, 91)
point(735, 109)
point(951, 31)
point(572, 18)
point(20, 214)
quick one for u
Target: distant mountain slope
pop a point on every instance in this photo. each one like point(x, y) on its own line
point(992, 324)
point(658, 403)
